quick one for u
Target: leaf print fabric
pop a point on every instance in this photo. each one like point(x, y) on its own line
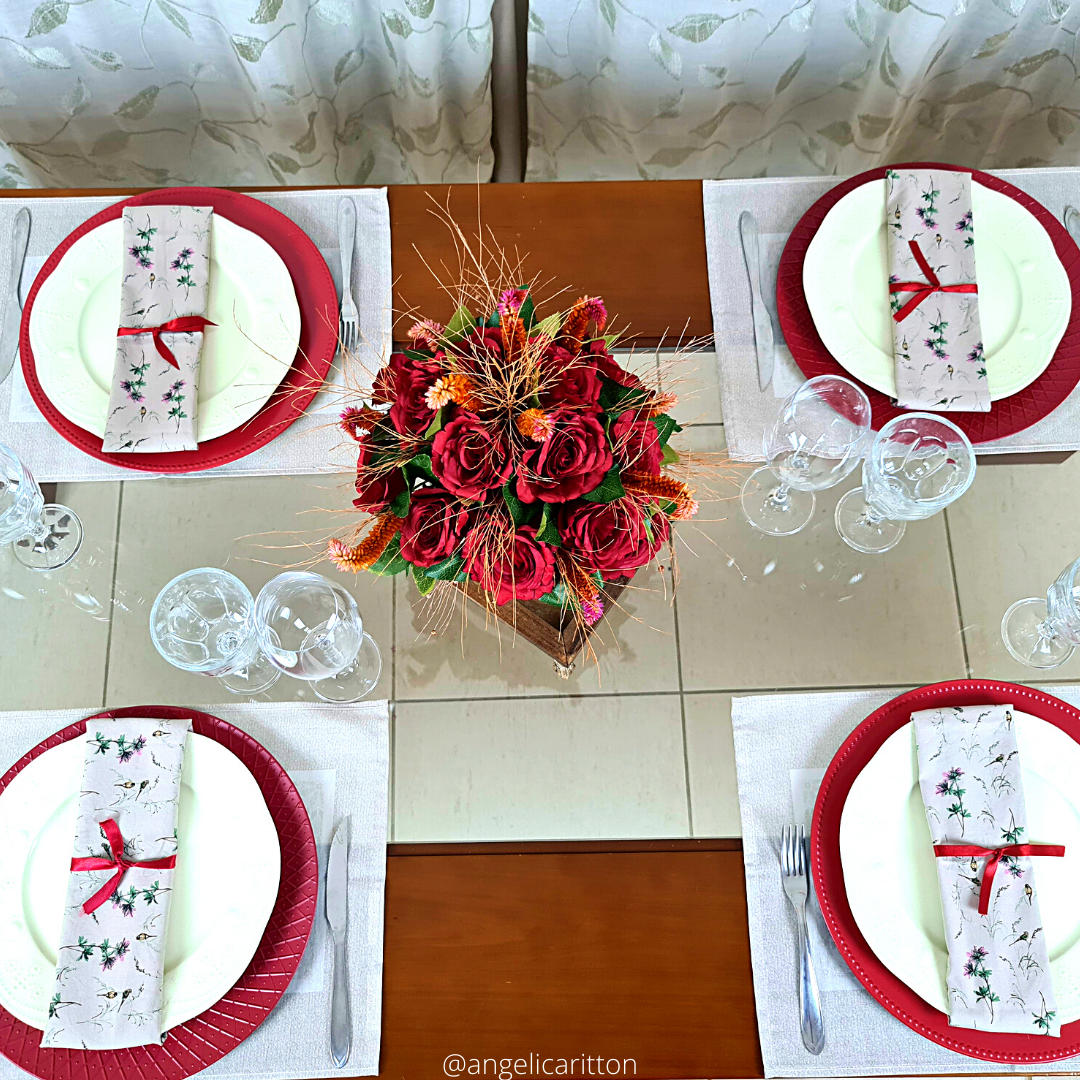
point(937, 344)
point(969, 773)
point(166, 275)
point(111, 963)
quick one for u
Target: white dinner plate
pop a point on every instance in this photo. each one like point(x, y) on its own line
point(225, 884)
point(889, 866)
point(244, 357)
point(1025, 298)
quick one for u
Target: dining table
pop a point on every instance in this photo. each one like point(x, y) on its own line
point(636, 948)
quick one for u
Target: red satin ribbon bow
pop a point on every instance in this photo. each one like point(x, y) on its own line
point(188, 324)
point(122, 865)
point(923, 289)
point(995, 856)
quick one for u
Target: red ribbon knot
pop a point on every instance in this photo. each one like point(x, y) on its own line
point(187, 324)
point(122, 865)
point(994, 856)
point(923, 289)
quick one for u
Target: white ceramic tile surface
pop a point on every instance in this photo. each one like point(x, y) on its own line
point(710, 755)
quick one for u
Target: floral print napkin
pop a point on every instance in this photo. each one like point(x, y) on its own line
point(937, 342)
point(969, 772)
point(166, 273)
point(111, 962)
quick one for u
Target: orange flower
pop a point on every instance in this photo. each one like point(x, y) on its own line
point(663, 403)
point(354, 420)
point(455, 388)
point(427, 333)
point(577, 322)
point(535, 424)
point(513, 336)
point(366, 554)
point(665, 488)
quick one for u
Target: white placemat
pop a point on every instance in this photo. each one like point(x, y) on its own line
point(338, 756)
point(778, 204)
point(313, 444)
point(783, 745)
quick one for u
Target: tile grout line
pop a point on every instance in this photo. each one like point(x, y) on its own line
point(956, 593)
point(682, 719)
point(112, 593)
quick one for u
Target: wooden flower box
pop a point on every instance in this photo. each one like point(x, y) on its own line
point(547, 627)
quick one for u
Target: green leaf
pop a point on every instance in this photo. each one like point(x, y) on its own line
point(895, 6)
point(421, 9)
point(285, 163)
point(422, 464)
point(839, 132)
point(607, 9)
point(549, 326)
point(788, 77)
point(557, 596)
point(616, 399)
point(974, 92)
point(712, 77)
point(421, 86)
point(435, 426)
point(396, 23)
point(1060, 124)
point(527, 311)
point(347, 65)
point(248, 48)
point(48, 16)
point(266, 12)
point(219, 133)
point(306, 143)
point(48, 58)
point(424, 584)
point(399, 506)
point(667, 57)
point(366, 166)
point(992, 44)
point(546, 532)
point(666, 426)
point(142, 104)
point(543, 78)
point(888, 68)
point(609, 490)
point(390, 561)
point(174, 17)
point(670, 456)
point(861, 23)
point(1030, 64)
point(873, 127)
point(519, 512)
point(446, 570)
point(112, 142)
point(493, 319)
point(461, 324)
point(103, 61)
point(670, 156)
point(536, 24)
point(696, 28)
point(389, 43)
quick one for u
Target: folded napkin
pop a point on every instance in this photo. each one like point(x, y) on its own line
point(111, 961)
point(937, 336)
point(969, 772)
point(163, 292)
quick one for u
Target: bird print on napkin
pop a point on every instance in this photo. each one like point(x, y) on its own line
point(938, 340)
point(111, 961)
point(165, 276)
point(969, 773)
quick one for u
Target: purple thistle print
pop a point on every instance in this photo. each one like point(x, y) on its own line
point(964, 224)
point(180, 259)
point(975, 967)
point(950, 785)
point(141, 256)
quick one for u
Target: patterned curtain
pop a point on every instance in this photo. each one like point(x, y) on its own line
point(103, 93)
point(654, 89)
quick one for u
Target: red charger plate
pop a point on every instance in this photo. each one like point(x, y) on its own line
point(1006, 417)
point(191, 1047)
point(896, 996)
point(315, 294)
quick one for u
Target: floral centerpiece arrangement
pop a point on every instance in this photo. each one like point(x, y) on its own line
point(515, 452)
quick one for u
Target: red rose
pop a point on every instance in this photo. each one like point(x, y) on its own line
point(479, 349)
point(568, 380)
point(523, 570)
point(434, 528)
point(611, 537)
point(403, 383)
point(636, 443)
point(569, 462)
point(375, 488)
point(470, 457)
point(607, 365)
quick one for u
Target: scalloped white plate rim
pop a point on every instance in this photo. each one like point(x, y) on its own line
point(857, 221)
point(254, 356)
point(883, 852)
point(236, 840)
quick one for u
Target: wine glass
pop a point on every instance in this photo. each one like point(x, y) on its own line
point(310, 628)
point(202, 621)
point(43, 537)
point(1043, 633)
point(918, 464)
point(817, 439)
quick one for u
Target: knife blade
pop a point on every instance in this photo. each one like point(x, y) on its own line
point(9, 336)
point(337, 916)
point(763, 332)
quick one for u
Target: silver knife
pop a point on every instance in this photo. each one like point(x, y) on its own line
point(9, 336)
point(763, 335)
point(1072, 222)
point(337, 915)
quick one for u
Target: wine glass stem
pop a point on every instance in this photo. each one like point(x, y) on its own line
point(39, 531)
point(778, 497)
point(871, 516)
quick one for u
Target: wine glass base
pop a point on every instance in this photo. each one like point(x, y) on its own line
point(357, 680)
point(776, 517)
point(59, 547)
point(1028, 639)
point(254, 678)
point(860, 531)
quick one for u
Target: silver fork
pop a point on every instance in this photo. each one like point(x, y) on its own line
point(349, 322)
point(796, 876)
